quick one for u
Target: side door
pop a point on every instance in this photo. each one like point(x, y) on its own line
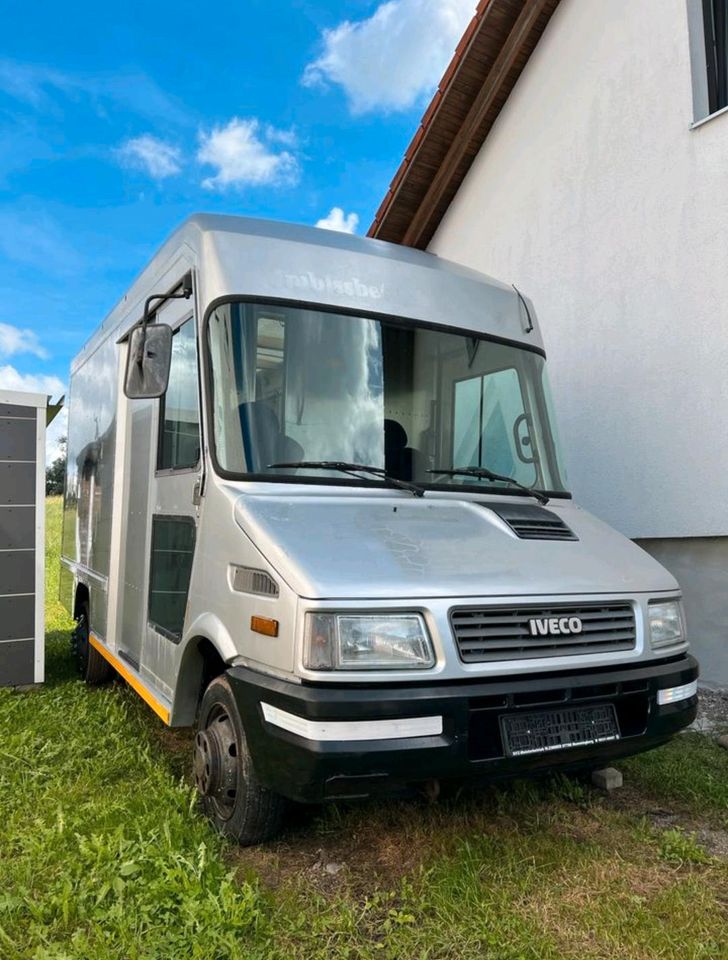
point(174, 499)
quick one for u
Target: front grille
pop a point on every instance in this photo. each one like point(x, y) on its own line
point(486, 634)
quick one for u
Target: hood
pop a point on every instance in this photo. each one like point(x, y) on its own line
point(393, 547)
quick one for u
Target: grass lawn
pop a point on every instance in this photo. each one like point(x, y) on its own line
point(103, 852)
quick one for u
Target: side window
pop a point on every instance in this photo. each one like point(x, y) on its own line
point(173, 547)
point(489, 417)
point(179, 414)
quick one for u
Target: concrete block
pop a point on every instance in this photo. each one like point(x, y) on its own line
point(607, 779)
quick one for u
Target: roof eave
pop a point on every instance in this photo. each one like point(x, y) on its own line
point(484, 69)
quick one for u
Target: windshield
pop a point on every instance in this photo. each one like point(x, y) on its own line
point(290, 384)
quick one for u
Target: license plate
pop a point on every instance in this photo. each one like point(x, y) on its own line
point(558, 729)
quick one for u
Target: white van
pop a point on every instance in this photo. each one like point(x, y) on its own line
point(315, 507)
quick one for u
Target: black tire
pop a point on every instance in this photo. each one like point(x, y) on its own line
point(92, 667)
point(232, 797)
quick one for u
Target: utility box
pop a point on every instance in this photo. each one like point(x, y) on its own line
point(22, 537)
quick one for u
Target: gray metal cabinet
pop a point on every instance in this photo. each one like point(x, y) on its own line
point(22, 537)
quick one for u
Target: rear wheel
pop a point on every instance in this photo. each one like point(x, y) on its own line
point(232, 796)
point(94, 669)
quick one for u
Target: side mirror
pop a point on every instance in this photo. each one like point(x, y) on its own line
point(147, 362)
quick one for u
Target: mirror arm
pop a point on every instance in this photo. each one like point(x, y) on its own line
point(522, 299)
point(184, 294)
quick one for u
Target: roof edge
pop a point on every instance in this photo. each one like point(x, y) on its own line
point(428, 116)
point(405, 200)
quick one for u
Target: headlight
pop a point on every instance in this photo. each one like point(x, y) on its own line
point(666, 624)
point(342, 641)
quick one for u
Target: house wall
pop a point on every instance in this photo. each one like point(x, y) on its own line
point(596, 198)
point(700, 565)
point(593, 195)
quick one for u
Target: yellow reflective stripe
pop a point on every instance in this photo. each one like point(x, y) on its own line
point(134, 682)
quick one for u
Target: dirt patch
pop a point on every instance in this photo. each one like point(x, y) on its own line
point(665, 819)
point(345, 848)
point(356, 849)
point(372, 845)
point(632, 801)
point(712, 712)
point(175, 745)
point(715, 842)
point(177, 740)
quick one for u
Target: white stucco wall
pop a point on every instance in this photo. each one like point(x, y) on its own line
point(593, 195)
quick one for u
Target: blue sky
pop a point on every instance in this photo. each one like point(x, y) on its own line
point(118, 121)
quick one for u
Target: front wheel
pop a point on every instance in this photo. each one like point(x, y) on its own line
point(232, 796)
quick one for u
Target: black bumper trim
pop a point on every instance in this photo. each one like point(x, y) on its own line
point(470, 744)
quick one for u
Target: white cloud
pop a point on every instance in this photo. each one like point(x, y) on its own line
point(12, 379)
point(19, 340)
point(338, 220)
point(287, 138)
point(395, 57)
point(154, 156)
point(243, 154)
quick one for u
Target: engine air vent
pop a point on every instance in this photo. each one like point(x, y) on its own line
point(531, 522)
point(250, 580)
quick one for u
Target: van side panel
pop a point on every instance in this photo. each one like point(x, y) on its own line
point(88, 500)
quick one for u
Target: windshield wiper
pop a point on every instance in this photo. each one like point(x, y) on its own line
point(352, 469)
point(484, 474)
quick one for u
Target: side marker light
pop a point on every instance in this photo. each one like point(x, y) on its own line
point(264, 625)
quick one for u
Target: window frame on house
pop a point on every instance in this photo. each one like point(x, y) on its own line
point(708, 36)
point(715, 26)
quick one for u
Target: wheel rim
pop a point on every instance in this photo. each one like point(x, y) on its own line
point(215, 762)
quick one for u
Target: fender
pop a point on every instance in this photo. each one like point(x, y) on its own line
point(185, 699)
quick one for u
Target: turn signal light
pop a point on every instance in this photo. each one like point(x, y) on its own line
point(264, 625)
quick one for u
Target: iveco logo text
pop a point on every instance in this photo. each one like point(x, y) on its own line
point(554, 626)
point(350, 287)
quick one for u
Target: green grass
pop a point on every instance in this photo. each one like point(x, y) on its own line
point(103, 853)
point(691, 772)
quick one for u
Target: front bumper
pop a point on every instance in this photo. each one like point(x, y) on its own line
point(469, 744)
